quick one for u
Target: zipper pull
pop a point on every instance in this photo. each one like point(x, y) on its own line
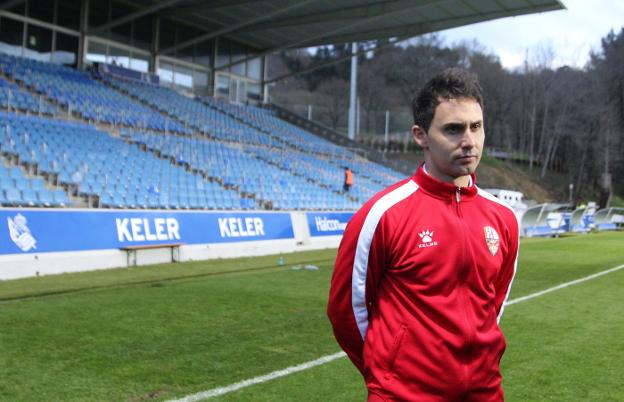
point(457, 194)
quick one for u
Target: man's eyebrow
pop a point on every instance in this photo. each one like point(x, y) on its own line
point(454, 124)
point(460, 125)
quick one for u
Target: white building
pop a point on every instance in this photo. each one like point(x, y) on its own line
point(511, 197)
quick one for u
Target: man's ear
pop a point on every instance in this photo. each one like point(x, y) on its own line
point(420, 136)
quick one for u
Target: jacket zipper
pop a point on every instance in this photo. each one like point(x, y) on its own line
point(464, 290)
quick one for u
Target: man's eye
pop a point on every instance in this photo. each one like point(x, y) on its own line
point(475, 126)
point(455, 129)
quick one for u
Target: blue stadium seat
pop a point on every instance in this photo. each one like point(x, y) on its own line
point(13, 196)
point(29, 197)
point(60, 198)
point(3, 199)
point(46, 198)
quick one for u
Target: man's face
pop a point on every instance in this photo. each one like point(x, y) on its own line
point(454, 142)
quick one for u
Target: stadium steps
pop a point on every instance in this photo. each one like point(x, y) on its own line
point(287, 145)
point(197, 132)
point(266, 204)
point(61, 116)
point(229, 114)
point(65, 112)
point(30, 171)
point(79, 201)
point(309, 179)
point(50, 102)
point(137, 99)
point(112, 130)
point(233, 116)
point(156, 152)
point(266, 131)
point(337, 138)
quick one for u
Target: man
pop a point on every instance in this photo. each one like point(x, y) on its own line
point(425, 266)
point(348, 180)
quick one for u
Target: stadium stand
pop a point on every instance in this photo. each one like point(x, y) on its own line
point(16, 188)
point(296, 137)
point(77, 92)
point(13, 98)
point(307, 155)
point(163, 149)
point(196, 115)
point(238, 167)
point(117, 174)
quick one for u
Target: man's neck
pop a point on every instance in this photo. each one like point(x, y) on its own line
point(461, 181)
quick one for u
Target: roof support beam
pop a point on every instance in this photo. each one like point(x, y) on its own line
point(211, 5)
point(200, 27)
point(308, 41)
point(338, 60)
point(345, 13)
point(416, 29)
point(10, 4)
point(135, 15)
point(236, 27)
point(397, 31)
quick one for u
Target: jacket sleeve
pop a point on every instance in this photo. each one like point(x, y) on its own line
point(357, 271)
point(510, 264)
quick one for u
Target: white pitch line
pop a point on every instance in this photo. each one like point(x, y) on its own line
point(326, 359)
point(257, 380)
point(563, 285)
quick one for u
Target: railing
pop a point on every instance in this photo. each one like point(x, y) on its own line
point(338, 138)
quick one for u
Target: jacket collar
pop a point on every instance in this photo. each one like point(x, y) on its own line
point(444, 190)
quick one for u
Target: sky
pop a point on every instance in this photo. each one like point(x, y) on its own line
point(571, 34)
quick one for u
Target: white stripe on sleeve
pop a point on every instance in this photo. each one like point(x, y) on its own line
point(360, 265)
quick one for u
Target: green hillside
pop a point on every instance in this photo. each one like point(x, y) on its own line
point(493, 173)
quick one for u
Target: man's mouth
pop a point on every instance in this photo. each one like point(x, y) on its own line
point(466, 158)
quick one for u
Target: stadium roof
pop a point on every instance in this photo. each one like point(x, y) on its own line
point(272, 25)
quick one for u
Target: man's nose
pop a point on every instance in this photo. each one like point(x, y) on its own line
point(468, 139)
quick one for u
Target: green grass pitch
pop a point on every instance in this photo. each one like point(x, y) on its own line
point(166, 331)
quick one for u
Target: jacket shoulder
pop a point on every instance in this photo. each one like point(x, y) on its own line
point(390, 196)
point(380, 203)
point(502, 205)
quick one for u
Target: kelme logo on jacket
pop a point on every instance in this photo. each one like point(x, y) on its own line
point(491, 239)
point(426, 236)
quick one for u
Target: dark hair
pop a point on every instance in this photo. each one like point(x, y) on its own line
point(451, 83)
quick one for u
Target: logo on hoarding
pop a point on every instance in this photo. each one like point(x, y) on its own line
point(143, 229)
point(20, 233)
point(241, 227)
point(323, 224)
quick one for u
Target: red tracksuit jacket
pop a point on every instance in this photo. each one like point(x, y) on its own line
point(420, 279)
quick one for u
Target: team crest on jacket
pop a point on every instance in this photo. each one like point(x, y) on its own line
point(491, 239)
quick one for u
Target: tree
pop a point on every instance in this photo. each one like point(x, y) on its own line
point(563, 119)
point(334, 94)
